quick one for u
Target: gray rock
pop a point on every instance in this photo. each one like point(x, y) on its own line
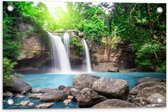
point(74, 92)
point(35, 95)
point(148, 91)
point(156, 99)
point(83, 81)
point(44, 105)
point(111, 88)
point(17, 86)
point(58, 95)
point(87, 97)
point(45, 90)
point(26, 103)
point(7, 94)
point(147, 79)
point(61, 87)
point(114, 103)
point(140, 101)
point(142, 85)
point(155, 105)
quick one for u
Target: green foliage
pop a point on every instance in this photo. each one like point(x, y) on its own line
point(8, 68)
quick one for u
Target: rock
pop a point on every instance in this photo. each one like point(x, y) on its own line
point(45, 90)
point(58, 95)
point(16, 85)
point(147, 79)
point(156, 98)
point(148, 91)
point(74, 91)
point(67, 91)
point(70, 97)
point(155, 105)
point(87, 97)
point(35, 90)
point(114, 103)
point(35, 95)
point(67, 101)
point(140, 101)
point(19, 96)
point(61, 87)
point(44, 105)
point(111, 88)
point(83, 81)
point(7, 94)
point(142, 85)
point(26, 103)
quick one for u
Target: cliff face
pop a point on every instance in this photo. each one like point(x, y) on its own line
point(34, 54)
point(107, 59)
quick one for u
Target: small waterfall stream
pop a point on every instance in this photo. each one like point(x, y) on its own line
point(66, 38)
point(87, 56)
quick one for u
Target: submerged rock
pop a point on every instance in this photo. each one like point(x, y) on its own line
point(147, 79)
point(58, 95)
point(67, 101)
point(111, 88)
point(44, 105)
point(83, 81)
point(16, 85)
point(88, 97)
point(114, 103)
point(26, 103)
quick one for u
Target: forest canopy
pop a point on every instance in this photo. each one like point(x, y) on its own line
point(140, 24)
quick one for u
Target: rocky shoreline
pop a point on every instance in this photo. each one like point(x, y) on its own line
point(92, 92)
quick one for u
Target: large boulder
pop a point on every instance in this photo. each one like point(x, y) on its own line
point(57, 95)
point(142, 85)
point(148, 91)
point(87, 97)
point(84, 81)
point(17, 85)
point(111, 88)
point(147, 79)
point(113, 103)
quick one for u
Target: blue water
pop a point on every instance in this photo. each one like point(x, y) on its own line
point(55, 80)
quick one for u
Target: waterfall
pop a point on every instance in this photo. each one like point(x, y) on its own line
point(59, 55)
point(87, 56)
point(66, 38)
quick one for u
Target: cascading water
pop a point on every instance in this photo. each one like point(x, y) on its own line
point(87, 56)
point(66, 38)
point(60, 59)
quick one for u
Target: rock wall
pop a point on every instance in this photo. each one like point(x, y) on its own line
point(107, 59)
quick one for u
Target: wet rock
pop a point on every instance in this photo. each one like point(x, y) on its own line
point(67, 91)
point(58, 95)
point(44, 105)
point(67, 101)
point(70, 97)
point(142, 85)
point(148, 91)
point(114, 103)
point(157, 98)
point(140, 101)
point(88, 97)
point(74, 92)
point(147, 79)
point(19, 96)
point(7, 94)
point(26, 103)
point(111, 88)
point(83, 81)
point(35, 95)
point(45, 90)
point(17, 86)
point(61, 87)
point(35, 90)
